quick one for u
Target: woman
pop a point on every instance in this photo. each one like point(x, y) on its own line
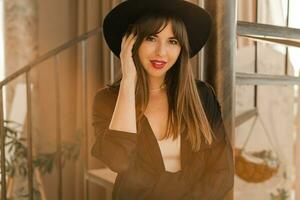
point(157, 127)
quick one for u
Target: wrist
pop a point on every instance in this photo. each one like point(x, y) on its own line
point(129, 79)
point(128, 83)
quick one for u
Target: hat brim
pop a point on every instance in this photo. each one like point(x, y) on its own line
point(197, 21)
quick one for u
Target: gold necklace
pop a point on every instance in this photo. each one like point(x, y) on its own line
point(161, 87)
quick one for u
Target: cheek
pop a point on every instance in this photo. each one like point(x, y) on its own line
point(145, 50)
point(140, 52)
point(175, 53)
point(144, 54)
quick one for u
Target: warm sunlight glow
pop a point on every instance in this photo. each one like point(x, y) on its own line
point(295, 23)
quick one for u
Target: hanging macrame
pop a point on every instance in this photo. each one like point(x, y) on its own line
point(256, 166)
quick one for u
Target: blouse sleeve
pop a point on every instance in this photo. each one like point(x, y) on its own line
point(114, 148)
point(218, 178)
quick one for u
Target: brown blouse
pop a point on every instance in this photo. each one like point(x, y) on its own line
point(207, 174)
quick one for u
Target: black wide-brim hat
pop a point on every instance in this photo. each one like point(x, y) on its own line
point(197, 21)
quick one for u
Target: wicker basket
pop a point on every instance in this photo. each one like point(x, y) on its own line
point(251, 171)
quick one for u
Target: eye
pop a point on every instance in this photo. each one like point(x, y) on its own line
point(150, 38)
point(175, 42)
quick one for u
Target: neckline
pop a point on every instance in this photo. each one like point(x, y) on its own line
point(158, 151)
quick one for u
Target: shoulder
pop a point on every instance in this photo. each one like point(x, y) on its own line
point(204, 87)
point(104, 93)
point(105, 99)
point(207, 97)
point(212, 109)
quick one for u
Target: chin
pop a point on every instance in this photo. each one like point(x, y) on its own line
point(152, 72)
point(158, 74)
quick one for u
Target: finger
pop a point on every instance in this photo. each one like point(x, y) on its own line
point(132, 41)
point(127, 39)
point(123, 41)
point(129, 43)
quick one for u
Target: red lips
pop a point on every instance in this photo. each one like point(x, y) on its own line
point(158, 64)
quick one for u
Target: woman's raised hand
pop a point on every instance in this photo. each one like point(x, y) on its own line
point(127, 63)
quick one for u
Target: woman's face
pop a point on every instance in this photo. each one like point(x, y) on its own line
point(159, 52)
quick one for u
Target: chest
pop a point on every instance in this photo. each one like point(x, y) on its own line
point(170, 149)
point(157, 114)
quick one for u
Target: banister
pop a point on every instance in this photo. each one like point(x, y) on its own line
point(50, 54)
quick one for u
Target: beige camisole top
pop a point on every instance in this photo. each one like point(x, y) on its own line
point(170, 151)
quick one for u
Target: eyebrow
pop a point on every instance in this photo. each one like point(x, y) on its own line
point(169, 37)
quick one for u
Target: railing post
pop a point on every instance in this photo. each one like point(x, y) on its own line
point(84, 114)
point(2, 141)
point(29, 138)
point(286, 68)
point(112, 68)
point(58, 127)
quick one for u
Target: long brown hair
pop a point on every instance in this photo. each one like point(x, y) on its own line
point(185, 107)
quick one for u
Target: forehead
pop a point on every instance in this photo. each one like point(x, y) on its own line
point(166, 30)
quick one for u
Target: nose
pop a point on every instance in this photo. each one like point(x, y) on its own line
point(161, 49)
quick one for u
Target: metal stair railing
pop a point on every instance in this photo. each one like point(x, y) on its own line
point(25, 70)
point(272, 34)
point(268, 33)
point(265, 33)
